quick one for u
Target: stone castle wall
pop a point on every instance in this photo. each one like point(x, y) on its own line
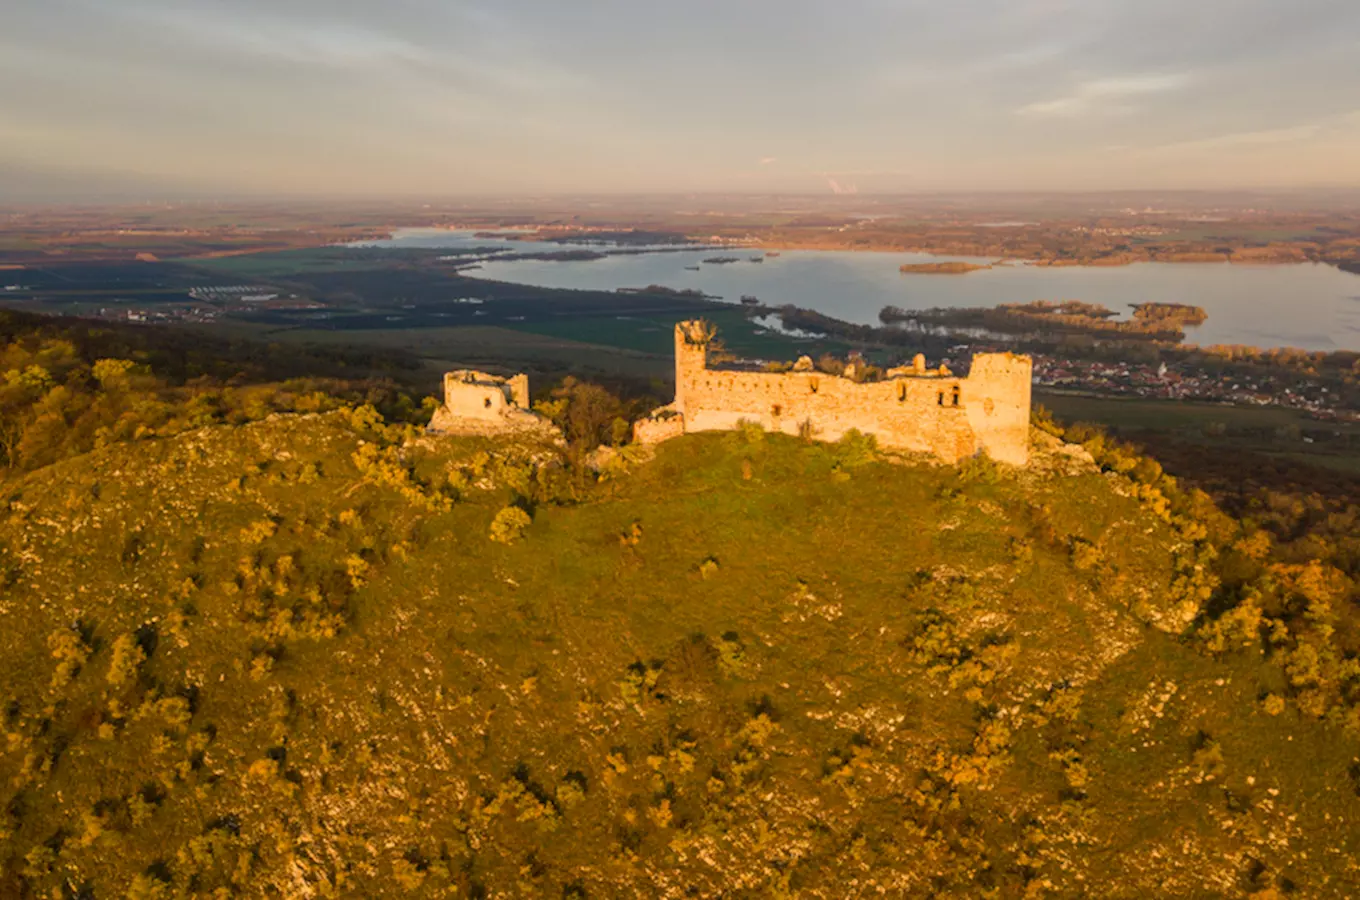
point(478, 403)
point(912, 409)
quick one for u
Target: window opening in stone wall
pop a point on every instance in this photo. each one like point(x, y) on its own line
point(776, 410)
point(956, 395)
point(939, 398)
point(901, 393)
point(487, 402)
point(812, 383)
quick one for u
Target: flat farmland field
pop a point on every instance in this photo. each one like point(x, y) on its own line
point(288, 263)
point(1276, 436)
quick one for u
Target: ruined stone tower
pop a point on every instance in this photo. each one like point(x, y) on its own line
point(478, 403)
point(912, 409)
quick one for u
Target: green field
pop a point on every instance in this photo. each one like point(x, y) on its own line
point(1271, 431)
point(287, 263)
point(1166, 414)
point(655, 334)
point(1230, 232)
point(487, 347)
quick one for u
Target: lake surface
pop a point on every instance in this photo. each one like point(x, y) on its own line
point(1312, 306)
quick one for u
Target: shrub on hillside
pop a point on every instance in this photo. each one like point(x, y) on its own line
point(509, 524)
point(126, 661)
point(856, 449)
point(588, 414)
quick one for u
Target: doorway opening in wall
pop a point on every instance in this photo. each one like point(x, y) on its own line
point(956, 395)
point(776, 410)
point(487, 402)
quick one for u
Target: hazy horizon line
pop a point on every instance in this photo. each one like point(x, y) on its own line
point(309, 198)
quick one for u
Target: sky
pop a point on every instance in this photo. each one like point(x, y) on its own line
point(410, 98)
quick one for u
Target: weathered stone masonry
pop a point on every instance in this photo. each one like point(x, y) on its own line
point(911, 409)
point(478, 403)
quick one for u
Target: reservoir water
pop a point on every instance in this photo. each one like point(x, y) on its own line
point(1310, 305)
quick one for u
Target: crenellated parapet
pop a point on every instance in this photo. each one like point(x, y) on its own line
point(913, 408)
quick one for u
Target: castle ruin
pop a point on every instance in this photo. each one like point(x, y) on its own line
point(478, 403)
point(912, 408)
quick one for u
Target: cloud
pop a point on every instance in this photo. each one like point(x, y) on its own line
point(1104, 96)
point(1339, 125)
point(334, 43)
point(1246, 139)
point(519, 95)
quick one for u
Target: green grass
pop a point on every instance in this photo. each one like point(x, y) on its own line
point(655, 334)
point(635, 347)
point(1239, 231)
point(1166, 414)
point(498, 348)
point(1271, 431)
point(750, 665)
point(285, 263)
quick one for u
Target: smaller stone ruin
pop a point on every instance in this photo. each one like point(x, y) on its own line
point(479, 403)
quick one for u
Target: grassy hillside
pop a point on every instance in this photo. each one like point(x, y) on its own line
point(288, 658)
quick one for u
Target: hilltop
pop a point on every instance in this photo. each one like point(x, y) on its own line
point(320, 655)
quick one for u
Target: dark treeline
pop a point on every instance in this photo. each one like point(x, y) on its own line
point(1182, 313)
point(1151, 322)
point(68, 386)
point(180, 355)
